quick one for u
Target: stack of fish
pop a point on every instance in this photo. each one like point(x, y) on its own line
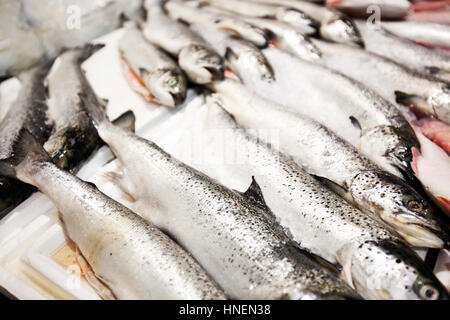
point(335, 204)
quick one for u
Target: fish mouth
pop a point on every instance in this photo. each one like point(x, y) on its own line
point(343, 30)
point(420, 233)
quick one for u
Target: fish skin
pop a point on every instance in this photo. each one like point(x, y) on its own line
point(294, 17)
point(394, 9)
point(324, 154)
point(391, 80)
point(435, 16)
point(240, 55)
point(160, 75)
point(200, 62)
point(316, 218)
point(288, 39)
point(131, 256)
point(417, 31)
point(374, 125)
point(218, 19)
point(231, 238)
point(404, 51)
point(334, 26)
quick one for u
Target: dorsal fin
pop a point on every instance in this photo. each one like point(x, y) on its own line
point(254, 194)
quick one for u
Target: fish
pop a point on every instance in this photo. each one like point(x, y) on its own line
point(420, 32)
point(195, 57)
point(435, 16)
point(287, 38)
point(298, 19)
point(334, 26)
point(361, 116)
point(387, 9)
point(133, 258)
point(150, 71)
point(403, 51)
point(33, 32)
point(431, 5)
point(317, 219)
point(216, 19)
point(232, 238)
point(435, 130)
point(391, 80)
point(240, 55)
point(326, 155)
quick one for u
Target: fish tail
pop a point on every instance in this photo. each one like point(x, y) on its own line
point(27, 151)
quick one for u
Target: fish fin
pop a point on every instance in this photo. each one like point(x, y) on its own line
point(99, 287)
point(126, 120)
point(26, 149)
point(336, 188)
point(96, 110)
point(355, 123)
point(229, 53)
point(344, 258)
point(254, 194)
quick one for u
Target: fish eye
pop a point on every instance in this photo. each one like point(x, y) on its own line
point(428, 292)
point(415, 205)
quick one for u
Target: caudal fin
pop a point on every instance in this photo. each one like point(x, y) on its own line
point(26, 150)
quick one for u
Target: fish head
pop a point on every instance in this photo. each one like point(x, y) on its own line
point(201, 64)
point(392, 149)
point(341, 30)
point(391, 270)
point(298, 19)
point(401, 207)
point(439, 100)
point(168, 86)
point(250, 61)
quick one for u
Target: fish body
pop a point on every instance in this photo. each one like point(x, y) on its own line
point(316, 218)
point(288, 39)
point(391, 80)
point(422, 32)
point(234, 240)
point(387, 9)
point(403, 51)
point(217, 19)
point(324, 154)
point(298, 19)
point(334, 26)
point(374, 125)
point(241, 55)
point(200, 62)
point(132, 257)
point(156, 75)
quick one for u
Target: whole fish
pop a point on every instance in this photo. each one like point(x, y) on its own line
point(360, 115)
point(151, 72)
point(326, 155)
point(393, 81)
point(234, 240)
point(200, 62)
point(287, 38)
point(316, 218)
point(403, 51)
point(241, 55)
point(292, 16)
point(334, 26)
point(217, 19)
point(420, 32)
point(386, 9)
point(132, 257)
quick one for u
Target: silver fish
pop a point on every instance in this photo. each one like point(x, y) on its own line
point(240, 55)
point(334, 26)
point(131, 256)
point(316, 218)
point(360, 115)
point(217, 19)
point(287, 38)
point(419, 31)
point(403, 51)
point(200, 62)
point(393, 81)
point(325, 155)
point(150, 71)
point(231, 238)
point(298, 19)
